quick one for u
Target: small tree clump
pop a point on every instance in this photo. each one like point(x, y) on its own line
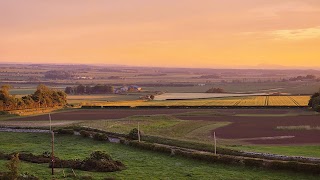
point(100, 137)
point(65, 131)
point(133, 134)
point(314, 101)
point(13, 166)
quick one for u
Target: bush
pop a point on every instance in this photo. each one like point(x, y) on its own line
point(84, 133)
point(133, 134)
point(100, 155)
point(100, 137)
point(65, 131)
point(4, 156)
point(13, 166)
point(102, 162)
point(123, 140)
point(44, 158)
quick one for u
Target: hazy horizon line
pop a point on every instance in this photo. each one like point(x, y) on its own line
point(259, 66)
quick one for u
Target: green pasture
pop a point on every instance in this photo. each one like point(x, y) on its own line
point(160, 125)
point(141, 164)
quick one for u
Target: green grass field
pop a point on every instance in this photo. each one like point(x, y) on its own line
point(140, 164)
point(160, 125)
point(294, 150)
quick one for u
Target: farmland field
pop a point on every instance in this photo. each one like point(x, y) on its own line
point(140, 164)
point(180, 96)
point(240, 125)
point(223, 101)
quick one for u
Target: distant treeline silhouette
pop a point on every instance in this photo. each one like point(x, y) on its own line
point(43, 97)
point(58, 74)
point(215, 90)
point(97, 89)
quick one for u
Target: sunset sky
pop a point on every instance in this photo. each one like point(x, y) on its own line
point(177, 33)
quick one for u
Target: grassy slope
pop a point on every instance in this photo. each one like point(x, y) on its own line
point(140, 164)
point(161, 125)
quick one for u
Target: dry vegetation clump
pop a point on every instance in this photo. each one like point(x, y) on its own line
point(98, 161)
point(13, 167)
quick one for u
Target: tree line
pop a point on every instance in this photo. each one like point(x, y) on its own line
point(58, 74)
point(314, 101)
point(215, 90)
point(97, 89)
point(302, 78)
point(43, 97)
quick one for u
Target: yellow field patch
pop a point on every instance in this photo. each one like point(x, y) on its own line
point(226, 101)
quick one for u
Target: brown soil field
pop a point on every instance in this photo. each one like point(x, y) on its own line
point(252, 129)
point(101, 114)
point(262, 130)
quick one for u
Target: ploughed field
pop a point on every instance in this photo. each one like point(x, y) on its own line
point(257, 126)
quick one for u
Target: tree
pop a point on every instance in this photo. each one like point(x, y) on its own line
point(13, 166)
point(152, 97)
point(69, 90)
point(42, 97)
point(81, 89)
point(4, 92)
point(314, 101)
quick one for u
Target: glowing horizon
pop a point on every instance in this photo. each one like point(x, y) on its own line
point(209, 33)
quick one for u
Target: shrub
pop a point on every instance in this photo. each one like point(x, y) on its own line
point(4, 156)
point(133, 134)
point(123, 141)
point(100, 137)
point(13, 166)
point(102, 162)
point(84, 133)
point(44, 158)
point(65, 131)
point(100, 155)
point(46, 154)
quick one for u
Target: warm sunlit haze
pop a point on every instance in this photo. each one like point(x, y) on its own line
point(170, 33)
